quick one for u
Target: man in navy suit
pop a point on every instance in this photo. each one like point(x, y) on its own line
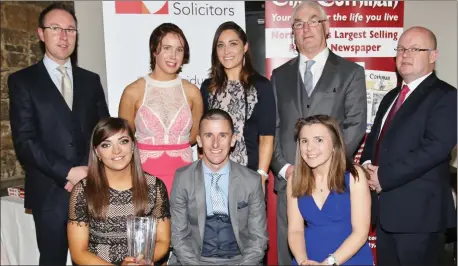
point(407, 154)
point(54, 106)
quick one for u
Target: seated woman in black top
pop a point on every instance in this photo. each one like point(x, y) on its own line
point(114, 188)
point(235, 87)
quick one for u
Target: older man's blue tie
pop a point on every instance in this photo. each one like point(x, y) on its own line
point(308, 77)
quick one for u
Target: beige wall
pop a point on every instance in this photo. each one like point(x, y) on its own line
point(91, 47)
point(444, 25)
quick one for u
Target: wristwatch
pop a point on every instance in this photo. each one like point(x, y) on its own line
point(263, 173)
point(331, 260)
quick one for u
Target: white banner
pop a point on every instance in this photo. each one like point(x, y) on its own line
point(346, 42)
point(129, 24)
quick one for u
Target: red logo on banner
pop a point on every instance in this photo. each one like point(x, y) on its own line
point(142, 7)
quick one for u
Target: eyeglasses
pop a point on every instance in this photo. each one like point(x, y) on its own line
point(58, 30)
point(311, 23)
point(413, 50)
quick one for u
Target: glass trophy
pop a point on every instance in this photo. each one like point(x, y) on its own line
point(141, 238)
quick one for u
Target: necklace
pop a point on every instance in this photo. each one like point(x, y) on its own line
point(321, 184)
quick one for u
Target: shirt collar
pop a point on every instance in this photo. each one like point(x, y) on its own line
point(319, 59)
point(52, 65)
point(224, 170)
point(414, 84)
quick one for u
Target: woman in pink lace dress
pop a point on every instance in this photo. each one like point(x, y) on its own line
point(163, 109)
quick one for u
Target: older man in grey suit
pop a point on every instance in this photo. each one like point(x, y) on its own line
point(317, 81)
point(217, 206)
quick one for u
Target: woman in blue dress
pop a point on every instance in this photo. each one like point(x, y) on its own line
point(329, 200)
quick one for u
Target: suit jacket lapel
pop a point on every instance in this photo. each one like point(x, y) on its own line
point(295, 82)
point(233, 200)
point(199, 185)
point(413, 101)
point(50, 91)
point(384, 105)
point(78, 95)
point(330, 67)
point(377, 125)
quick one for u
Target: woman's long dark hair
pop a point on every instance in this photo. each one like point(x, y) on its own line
point(97, 188)
point(218, 77)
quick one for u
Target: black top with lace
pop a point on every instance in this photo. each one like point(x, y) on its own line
point(108, 238)
point(252, 112)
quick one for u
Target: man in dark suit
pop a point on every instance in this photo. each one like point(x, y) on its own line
point(217, 206)
point(407, 154)
point(54, 106)
point(317, 81)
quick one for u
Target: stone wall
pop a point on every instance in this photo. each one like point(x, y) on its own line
point(20, 47)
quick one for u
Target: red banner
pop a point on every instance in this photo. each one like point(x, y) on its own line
point(365, 32)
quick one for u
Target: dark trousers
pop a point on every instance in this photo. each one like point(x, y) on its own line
point(407, 249)
point(51, 230)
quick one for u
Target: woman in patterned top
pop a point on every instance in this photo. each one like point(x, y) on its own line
point(235, 87)
point(114, 188)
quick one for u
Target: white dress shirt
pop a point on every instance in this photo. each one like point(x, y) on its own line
point(412, 86)
point(316, 69)
point(54, 73)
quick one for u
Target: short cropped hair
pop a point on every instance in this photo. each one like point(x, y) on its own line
point(55, 6)
point(217, 114)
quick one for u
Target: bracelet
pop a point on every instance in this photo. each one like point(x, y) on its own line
point(331, 260)
point(263, 173)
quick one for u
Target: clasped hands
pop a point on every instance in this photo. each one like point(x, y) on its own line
point(373, 181)
point(74, 176)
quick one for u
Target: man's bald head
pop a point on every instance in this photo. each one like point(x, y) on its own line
point(417, 53)
point(428, 34)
